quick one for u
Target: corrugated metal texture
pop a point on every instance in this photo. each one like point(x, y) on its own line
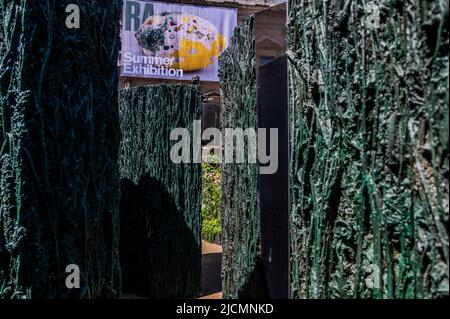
point(241, 262)
point(161, 201)
point(59, 144)
point(369, 148)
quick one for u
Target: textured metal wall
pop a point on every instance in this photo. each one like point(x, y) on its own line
point(59, 143)
point(241, 262)
point(369, 148)
point(160, 209)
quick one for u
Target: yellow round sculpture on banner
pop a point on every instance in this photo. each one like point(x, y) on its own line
point(192, 42)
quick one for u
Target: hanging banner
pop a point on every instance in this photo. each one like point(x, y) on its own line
point(174, 41)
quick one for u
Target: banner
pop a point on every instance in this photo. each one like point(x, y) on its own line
point(174, 41)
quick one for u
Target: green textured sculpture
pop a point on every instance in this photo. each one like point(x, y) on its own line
point(160, 209)
point(369, 148)
point(59, 144)
point(242, 273)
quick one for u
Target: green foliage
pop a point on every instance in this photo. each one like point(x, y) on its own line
point(211, 201)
